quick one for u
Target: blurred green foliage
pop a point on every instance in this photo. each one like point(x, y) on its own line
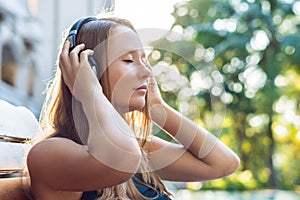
point(238, 74)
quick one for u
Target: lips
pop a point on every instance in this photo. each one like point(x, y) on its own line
point(143, 88)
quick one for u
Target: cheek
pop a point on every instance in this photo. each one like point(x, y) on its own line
point(105, 84)
point(121, 77)
point(121, 84)
point(117, 81)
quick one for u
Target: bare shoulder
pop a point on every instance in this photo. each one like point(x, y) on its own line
point(49, 150)
point(55, 141)
point(53, 145)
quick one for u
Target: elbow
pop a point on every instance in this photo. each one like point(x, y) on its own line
point(127, 162)
point(127, 167)
point(120, 155)
point(232, 166)
point(131, 159)
point(130, 164)
point(122, 170)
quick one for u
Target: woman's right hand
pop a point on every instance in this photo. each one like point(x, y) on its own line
point(76, 70)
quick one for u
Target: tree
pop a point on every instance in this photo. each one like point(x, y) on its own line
point(244, 51)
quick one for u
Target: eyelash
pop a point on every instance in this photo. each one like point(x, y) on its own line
point(132, 60)
point(128, 61)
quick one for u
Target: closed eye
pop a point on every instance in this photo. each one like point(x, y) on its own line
point(128, 60)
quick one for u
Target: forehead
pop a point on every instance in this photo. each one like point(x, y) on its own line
point(122, 40)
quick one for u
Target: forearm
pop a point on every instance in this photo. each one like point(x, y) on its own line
point(110, 138)
point(197, 140)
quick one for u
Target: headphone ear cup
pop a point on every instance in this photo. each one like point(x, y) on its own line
point(93, 64)
point(72, 37)
point(72, 41)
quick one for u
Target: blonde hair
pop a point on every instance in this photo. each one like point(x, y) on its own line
point(58, 116)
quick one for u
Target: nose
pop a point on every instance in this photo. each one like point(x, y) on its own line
point(144, 71)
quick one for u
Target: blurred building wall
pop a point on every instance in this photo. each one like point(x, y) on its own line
point(32, 30)
point(20, 38)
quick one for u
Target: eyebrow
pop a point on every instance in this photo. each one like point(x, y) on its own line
point(136, 51)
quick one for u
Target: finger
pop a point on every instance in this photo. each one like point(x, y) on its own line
point(66, 46)
point(84, 55)
point(152, 82)
point(74, 54)
point(64, 56)
point(65, 49)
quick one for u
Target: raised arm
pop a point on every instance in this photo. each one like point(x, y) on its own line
point(112, 153)
point(200, 155)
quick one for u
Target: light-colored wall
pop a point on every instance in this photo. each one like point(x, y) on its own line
point(56, 16)
point(53, 17)
point(18, 37)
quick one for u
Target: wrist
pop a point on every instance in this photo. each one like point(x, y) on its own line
point(158, 113)
point(86, 85)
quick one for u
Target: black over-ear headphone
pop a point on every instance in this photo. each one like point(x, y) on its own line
point(72, 37)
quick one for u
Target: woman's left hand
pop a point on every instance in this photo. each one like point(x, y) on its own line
point(155, 97)
point(156, 102)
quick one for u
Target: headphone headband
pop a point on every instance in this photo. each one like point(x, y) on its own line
point(72, 36)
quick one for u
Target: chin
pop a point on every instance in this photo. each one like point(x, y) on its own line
point(137, 105)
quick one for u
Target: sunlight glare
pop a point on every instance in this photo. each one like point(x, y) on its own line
point(281, 131)
point(150, 14)
point(298, 135)
point(296, 8)
point(260, 41)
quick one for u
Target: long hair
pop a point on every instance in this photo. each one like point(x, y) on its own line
point(58, 114)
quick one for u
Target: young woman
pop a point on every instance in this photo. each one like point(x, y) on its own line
point(98, 126)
